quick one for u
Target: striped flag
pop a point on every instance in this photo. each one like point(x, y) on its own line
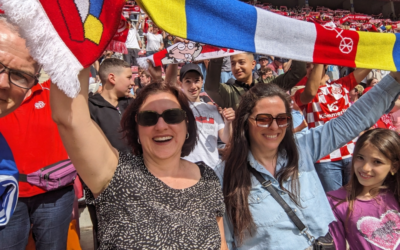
point(237, 25)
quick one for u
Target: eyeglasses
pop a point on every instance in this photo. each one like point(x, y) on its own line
point(170, 116)
point(18, 78)
point(183, 46)
point(265, 120)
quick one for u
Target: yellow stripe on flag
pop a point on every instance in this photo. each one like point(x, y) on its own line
point(167, 14)
point(375, 51)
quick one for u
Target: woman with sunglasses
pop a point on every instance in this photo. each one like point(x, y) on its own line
point(151, 199)
point(264, 149)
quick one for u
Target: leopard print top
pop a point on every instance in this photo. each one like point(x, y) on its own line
point(139, 211)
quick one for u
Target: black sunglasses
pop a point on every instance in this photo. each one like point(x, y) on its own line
point(170, 116)
point(265, 120)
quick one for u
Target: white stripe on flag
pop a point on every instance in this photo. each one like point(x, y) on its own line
point(288, 37)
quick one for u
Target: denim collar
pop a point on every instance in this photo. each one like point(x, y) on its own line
point(280, 163)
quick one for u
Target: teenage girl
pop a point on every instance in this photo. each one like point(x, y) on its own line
point(367, 208)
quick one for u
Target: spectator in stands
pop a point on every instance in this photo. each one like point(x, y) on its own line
point(227, 95)
point(133, 44)
point(150, 198)
point(280, 64)
point(356, 93)
point(263, 60)
point(263, 145)
point(371, 82)
point(322, 102)
point(210, 124)
point(168, 40)
point(145, 79)
point(372, 195)
point(18, 74)
point(106, 109)
point(154, 40)
point(265, 76)
point(35, 142)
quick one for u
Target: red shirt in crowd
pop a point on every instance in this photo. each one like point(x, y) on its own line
point(33, 136)
point(385, 121)
point(331, 101)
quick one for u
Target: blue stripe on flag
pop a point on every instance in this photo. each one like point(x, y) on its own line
point(227, 29)
point(396, 52)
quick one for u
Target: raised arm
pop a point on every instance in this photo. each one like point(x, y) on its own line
point(212, 84)
point(292, 76)
point(360, 74)
point(91, 153)
point(312, 85)
point(323, 140)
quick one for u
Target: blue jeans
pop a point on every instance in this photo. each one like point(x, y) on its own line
point(149, 53)
point(335, 174)
point(49, 214)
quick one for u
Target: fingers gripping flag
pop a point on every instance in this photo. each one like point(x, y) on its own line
point(65, 36)
point(263, 32)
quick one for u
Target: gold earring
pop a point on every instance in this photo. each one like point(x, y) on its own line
point(392, 173)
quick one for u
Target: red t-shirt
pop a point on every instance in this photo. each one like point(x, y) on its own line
point(331, 101)
point(302, 82)
point(33, 136)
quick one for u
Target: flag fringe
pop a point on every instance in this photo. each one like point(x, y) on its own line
point(44, 43)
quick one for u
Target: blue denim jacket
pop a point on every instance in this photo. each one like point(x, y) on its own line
point(275, 230)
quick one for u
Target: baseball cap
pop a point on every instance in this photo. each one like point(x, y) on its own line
point(189, 67)
point(282, 60)
point(262, 57)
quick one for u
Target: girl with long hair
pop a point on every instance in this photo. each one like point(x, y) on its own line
point(367, 208)
point(262, 141)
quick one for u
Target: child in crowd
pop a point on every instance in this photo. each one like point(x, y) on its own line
point(367, 209)
point(210, 124)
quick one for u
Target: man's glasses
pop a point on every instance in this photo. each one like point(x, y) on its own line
point(18, 78)
point(170, 116)
point(265, 120)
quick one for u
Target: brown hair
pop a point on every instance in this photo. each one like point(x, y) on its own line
point(146, 73)
point(388, 144)
point(111, 65)
point(369, 81)
point(265, 71)
point(129, 125)
point(237, 178)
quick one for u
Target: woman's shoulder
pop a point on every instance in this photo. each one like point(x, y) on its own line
point(207, 172)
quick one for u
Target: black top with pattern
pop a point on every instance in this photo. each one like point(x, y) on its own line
point(139, 211)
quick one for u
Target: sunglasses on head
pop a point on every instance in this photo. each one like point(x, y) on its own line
point(265, 120)
point(170, 116)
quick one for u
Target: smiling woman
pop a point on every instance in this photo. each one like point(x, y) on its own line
point(150, 199)
point(263, 149)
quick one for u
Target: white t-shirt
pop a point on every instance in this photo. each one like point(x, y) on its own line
point(132, 40)
point(154, 41)
point(209, 122)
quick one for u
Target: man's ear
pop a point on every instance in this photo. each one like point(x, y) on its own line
point(253, 64)
point(111, 78)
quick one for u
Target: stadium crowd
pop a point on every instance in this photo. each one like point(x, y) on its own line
point(243, 152)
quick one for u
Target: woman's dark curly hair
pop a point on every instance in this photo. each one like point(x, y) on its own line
point(129, 124)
